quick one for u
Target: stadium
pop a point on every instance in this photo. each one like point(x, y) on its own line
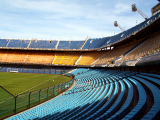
point(115, 77)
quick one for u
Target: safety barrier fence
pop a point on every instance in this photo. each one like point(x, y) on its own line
point(12, 104)
point(32, 70)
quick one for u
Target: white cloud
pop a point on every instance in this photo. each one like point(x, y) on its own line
point(62, 19)
point(121, 8)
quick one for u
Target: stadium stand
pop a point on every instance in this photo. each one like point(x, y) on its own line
point(70, 44)
point(139, 108)
point(3, 42)
point(155, 91)
point(3, 53)
point(148, 47)
point(33, 57)
point(18, 43)
point(15, 56)
point(66, 58)
point(115, 53)
point(40, 57)
point(58, 57)
point(98, 94)
point(119, 54)
point(43, 44)
point(126, 106)
point(76, 44)
point(89, 57)
point(106, 106)
point(95, 43)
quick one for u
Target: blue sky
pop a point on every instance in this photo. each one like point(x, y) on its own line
point(65, 19)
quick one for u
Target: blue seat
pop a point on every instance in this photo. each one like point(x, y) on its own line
point(102, 103)
point(126, 106)
point(138, 109)
point(70, 44)
point(156, 94)
point(92, 102)
point(95, 96)
point(74, 111)
point(3, 42)
point(151, 75)
point(18, 43)
point(43, 44)
point(112, 109)
point(95, 43)
point(155, 80)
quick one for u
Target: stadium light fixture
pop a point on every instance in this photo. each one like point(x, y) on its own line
point(134, 9)
point(117, 25)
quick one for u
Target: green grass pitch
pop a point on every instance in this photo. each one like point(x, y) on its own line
point(17, 83)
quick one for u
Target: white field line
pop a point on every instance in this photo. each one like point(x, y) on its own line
point(5, 100)
point(29, 89)
point(38, 85)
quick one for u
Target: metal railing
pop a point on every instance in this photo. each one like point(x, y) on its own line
point(10, 104)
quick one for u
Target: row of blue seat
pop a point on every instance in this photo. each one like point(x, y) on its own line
point(126, 106)
point(95, 43)
point(155, 80)
point(70, 44)
point(96, 89)
point(95, 105)
point(43, 44)
point(40, 44)
point(95, 96)
point(156, 94)
point(113, 108)
point(137, 110)
point(152, 75)
point(80, 108)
